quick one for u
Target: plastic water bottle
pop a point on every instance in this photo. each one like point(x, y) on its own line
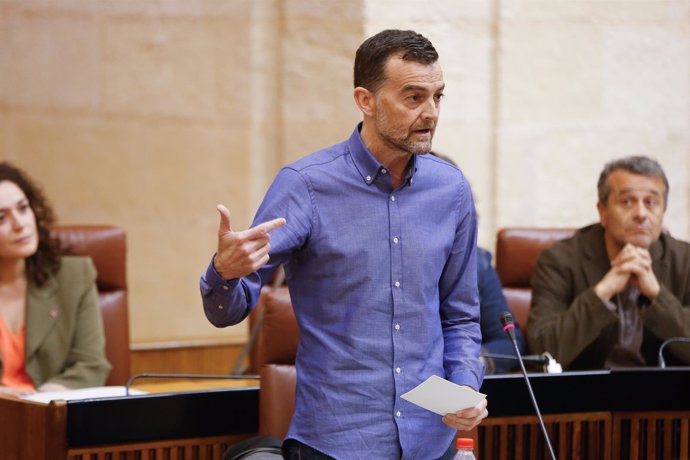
point(464, 449)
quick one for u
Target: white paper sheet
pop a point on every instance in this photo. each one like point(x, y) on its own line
point(443, 397)
point(82, 393)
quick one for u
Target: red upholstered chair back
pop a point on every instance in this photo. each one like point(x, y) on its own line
point(274, 358)
point(256, 318)
point(107, 247)
point(517, 250)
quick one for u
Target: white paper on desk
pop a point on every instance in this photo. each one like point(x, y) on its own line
point(442, 396)
point(82, 393)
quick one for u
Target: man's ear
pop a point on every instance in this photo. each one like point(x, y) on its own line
point(602, 213)
point(365, 101)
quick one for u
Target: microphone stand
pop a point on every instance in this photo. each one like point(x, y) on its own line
point(509, 327)
point(536, 359)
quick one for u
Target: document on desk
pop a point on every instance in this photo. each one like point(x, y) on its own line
point(442, 396)
point(82, 393)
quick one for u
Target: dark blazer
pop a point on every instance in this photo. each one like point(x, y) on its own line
point(567, 318)
point(65, 342)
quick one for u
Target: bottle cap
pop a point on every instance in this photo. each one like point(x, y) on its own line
point(465, 443)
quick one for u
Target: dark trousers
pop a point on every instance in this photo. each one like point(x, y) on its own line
point(295, 450)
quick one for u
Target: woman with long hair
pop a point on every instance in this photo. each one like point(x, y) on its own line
point(51, 331)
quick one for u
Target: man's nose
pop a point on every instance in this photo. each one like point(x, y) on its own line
point(640, 210)
point(430, 110)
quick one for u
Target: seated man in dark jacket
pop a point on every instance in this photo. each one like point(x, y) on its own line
point(610, 295)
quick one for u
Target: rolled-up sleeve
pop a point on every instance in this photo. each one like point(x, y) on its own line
point(459, 298)
point(228, 302)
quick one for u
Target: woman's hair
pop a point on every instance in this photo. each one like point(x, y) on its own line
point(46, 260)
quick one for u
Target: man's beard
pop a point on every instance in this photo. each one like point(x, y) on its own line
point(403, 140)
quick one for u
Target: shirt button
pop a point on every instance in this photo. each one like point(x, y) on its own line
point(225, 287)
point(398, 414)
point(397, 284)
point(392, 197)
point(383, 171)
point(368, 178)
point(397, 370)
point(220, 307)
point(395, 240)
point(397, 327)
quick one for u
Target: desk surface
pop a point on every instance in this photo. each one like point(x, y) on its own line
point(187, 385)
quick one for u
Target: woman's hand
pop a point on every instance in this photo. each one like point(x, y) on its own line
point(52, 387)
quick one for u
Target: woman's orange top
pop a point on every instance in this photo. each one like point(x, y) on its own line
point(12, 352)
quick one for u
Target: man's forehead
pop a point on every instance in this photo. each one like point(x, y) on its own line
point(623, 182)
point(406, 73)
point(627, 190)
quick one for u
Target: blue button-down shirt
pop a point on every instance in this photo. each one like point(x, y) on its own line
point(383, 283)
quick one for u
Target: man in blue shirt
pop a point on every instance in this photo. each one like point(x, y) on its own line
point(378, 242)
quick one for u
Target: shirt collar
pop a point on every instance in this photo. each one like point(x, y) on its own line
point(366, 163)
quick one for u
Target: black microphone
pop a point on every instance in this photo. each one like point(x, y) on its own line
point(662, 361)
point(509, 328)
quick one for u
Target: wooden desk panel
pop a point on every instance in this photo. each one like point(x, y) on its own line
point(623, 414)
point(651, 435)
point(31, 430)
point(182, 426)
point(179, 449)
point(573, 436)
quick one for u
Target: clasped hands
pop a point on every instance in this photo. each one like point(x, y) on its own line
point(633, 264)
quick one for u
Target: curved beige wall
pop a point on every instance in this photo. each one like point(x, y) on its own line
point(146, 114)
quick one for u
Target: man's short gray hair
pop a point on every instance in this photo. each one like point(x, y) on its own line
point(639, 164)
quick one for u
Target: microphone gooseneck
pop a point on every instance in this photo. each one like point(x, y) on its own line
point(186, 376)
point(509, 328)
point(662, 361)
point(535, 359)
